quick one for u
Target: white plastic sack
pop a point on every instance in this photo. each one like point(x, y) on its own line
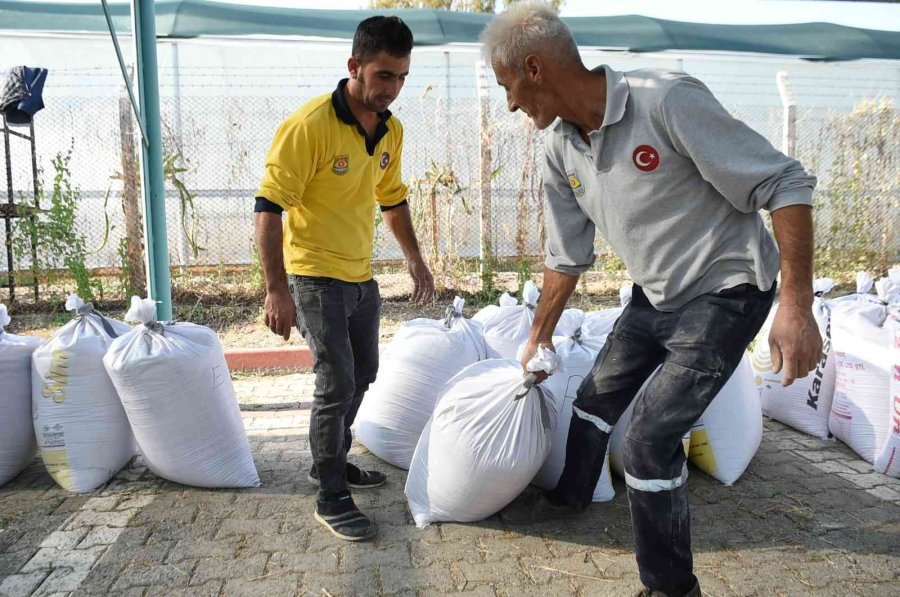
point(81, 428)
point(860, 412)
point(485, 313)
point(506, 327)
point(577, 352)
point(487, 438)
point(805, 404)
point(600, 323)
point(422, 357)
point(17, 442)
point(177, 392)
point(726, 437)
point(887, 462)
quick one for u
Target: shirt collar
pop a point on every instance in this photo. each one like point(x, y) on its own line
point(342, 109)
point(616, 100)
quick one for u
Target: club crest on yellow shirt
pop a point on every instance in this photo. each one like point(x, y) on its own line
point(575, 183)
point(341, 164)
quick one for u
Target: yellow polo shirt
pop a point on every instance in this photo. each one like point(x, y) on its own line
point(329, 177)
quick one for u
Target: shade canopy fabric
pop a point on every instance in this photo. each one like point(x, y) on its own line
point(195, 18)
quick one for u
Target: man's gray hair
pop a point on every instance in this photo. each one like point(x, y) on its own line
point(526, 28)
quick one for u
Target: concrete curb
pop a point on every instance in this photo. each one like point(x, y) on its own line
point(281, 358)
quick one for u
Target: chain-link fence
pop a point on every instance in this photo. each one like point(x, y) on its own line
point(461, 154)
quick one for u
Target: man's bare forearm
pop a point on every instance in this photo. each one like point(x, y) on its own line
point(793, 227)
point(399, 221)
point(557, 289)
point(269, 239)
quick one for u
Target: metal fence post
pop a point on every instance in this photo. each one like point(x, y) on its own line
point(789, 130)
point(485, 156)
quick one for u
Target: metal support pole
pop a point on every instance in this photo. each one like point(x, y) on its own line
point(153, 182)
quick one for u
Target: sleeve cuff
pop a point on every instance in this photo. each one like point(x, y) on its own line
point(264, 205)
point(390, 207)
point(276, 196)
point(564, 268)
point(788, 197)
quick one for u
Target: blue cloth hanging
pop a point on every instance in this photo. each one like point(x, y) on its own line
point(22, 94)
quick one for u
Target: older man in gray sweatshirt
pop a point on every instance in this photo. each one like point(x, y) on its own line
point(652, 161)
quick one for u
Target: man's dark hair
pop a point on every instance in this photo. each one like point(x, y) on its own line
point(382, 34)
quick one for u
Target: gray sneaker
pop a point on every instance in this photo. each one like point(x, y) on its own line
point(531, 508)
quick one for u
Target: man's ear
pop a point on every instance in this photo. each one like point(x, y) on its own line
point(353, 66)
point(534, 68)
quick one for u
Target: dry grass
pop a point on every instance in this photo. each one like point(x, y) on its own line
point(226, 302)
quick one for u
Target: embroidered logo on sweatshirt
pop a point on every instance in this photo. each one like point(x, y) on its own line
point(575, 183)
point(385, 160)
point(645, 158)
point(341, 164)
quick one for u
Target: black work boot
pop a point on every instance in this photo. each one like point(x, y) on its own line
point(694, 591)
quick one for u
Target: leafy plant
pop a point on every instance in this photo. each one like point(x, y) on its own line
point(858, 201)
point(59, 245)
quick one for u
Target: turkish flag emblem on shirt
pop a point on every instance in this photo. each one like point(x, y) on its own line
point(645, 158)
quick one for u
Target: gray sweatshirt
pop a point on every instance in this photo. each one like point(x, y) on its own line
point(674, 184)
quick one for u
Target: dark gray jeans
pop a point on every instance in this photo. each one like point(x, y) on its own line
point(339, 321)
point(696, 348)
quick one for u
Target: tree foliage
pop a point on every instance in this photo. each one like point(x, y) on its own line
point(489, 6)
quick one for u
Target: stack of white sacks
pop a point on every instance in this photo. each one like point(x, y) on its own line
point(423, 355)
point(506, 326)
point(854, 393)
point(17, 443)
point(97, 385)
point(482, 435)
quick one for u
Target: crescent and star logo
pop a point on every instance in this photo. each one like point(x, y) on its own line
point(645, 158)
point(385, 160)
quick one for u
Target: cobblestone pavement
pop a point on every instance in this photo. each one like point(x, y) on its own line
point(808, 518)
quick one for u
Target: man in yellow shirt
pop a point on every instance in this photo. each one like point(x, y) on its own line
point(331, 163)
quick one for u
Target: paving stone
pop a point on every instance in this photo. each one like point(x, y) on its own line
point(135, 501)
point(832, 466)
point(426, 552)
point(787, 527)
point(506, 572)
point(99, 536)
point(189, 549)
point(884, 493)
point(64, 539)
point(287, 585)
point(211, 589)
point(512, 544)
point(88, 519)
point(356, 556)
point(240, 526)
point(479, 591)
point(49, 557)
point(357, 584)
point(62, 580)
point(225, 568)
point(101, 504)
point(288, 563)
point(22, 584)
point(168, 575)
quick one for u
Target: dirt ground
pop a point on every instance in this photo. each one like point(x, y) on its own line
point(239, 321)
